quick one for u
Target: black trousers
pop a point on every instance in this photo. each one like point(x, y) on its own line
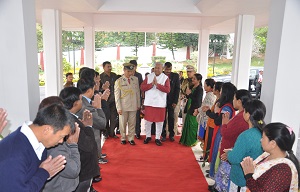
point(170, 113)
point(111, 122)
point(138, 123)
point(208, 142)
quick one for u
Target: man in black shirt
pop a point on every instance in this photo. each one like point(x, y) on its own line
point(108, 78)
point(138, 117)
point(172, 100)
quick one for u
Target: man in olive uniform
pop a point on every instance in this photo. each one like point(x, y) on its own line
point(127, 96)
point(186, 84)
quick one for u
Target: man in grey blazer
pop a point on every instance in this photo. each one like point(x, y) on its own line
point(99, 121)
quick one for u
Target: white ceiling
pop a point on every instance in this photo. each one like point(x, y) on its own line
point(156, 15)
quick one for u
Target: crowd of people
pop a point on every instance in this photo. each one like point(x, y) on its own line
point(61, 149)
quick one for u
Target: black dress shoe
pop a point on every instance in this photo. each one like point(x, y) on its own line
point(163, 139)
point(123, 142)
point(146, 141)
point(158, 142)
point(131, 142)
point(172, 139)
point(138, 136)
point(97, 179)
point(206, 171)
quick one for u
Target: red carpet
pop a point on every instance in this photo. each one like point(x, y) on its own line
point(147, 167)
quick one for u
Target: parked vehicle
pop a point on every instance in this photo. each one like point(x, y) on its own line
point(252, 73)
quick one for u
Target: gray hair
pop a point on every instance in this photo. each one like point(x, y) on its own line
point(158, 63)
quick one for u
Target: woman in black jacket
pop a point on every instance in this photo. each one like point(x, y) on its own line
point(190, 128)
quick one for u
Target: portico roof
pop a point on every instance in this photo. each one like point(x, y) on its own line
point(218, 16)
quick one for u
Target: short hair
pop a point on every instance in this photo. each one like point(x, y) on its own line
point(87, 74)
point(180, 71)
point(56, 116)
point(49, 101)
point(105, 63)
point(67, 74)
point(158, 63)
point(133, 62)
point(168, 65)
point(81, 69)
point(69, 96)
point(85, 84)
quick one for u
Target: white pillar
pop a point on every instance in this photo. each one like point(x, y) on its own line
point(280, 89)
point(89, 47)
point(19, 81)
point(53, 52)
point(203, 47)
point(242, 51)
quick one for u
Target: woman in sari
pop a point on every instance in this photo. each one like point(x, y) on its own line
point(210, 125)
point(277, 169)
point(223, 106)
point(247, 144)
point(231, 129)
point(190, 127)
point(208, 100)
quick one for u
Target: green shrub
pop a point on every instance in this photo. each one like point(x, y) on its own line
point(155, 59)
point(128, 58)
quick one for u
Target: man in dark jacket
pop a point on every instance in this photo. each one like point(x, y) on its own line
point(172, 100)
point(87, 145)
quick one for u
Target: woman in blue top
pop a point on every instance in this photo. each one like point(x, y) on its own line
point(247, 143)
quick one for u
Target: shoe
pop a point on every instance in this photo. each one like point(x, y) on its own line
point(212, 188)
point(92, 189)
point(206, 171)
point(118, 131)
point(146, 141)
point(138, 136)
point(103, 155)
point(201, 159)
point(172, 139)
point(97, 179)
point(207, 175)
point(102, 161)
point(116, 137)
point(163, 139)
point(123, 142)
point(131, 142)
point(158, 142)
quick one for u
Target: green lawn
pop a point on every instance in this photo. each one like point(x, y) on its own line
point(224, 66)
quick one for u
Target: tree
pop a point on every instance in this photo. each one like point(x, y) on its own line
point(221, 40)
point(190, 40)
point(39, 34)
point(260, 35)
point(171, 41)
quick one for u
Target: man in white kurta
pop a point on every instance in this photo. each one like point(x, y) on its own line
point(156, 86)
